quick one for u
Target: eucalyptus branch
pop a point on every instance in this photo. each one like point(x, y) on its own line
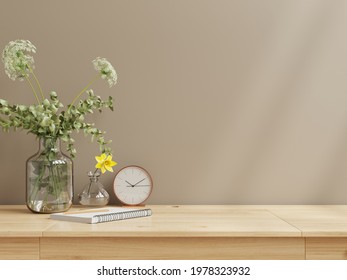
point(83, 90)
point(45, 119)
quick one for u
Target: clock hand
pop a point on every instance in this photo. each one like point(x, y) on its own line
point(131, 185)
point(139, 182)
point(142, 186)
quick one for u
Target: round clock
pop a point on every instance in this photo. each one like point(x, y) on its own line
point(132, 185)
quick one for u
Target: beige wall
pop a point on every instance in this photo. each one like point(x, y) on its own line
point(223, 102)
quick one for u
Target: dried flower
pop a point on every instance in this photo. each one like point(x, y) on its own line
point(106, 70)
point(16, 60)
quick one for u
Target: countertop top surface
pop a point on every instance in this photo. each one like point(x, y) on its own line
point(188, 221)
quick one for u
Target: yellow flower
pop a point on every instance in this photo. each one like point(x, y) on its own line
point(105, 163)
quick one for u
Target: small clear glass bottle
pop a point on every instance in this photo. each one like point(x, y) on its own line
point(94, 193)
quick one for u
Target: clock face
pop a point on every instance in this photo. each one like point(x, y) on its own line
point(132, 185)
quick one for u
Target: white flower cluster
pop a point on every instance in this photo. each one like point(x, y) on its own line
point(106, 70)
point(16, 60)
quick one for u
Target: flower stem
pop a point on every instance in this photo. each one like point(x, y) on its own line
point(32, 88)
point(90, 184)
point(55, 182)
point(83, 90)
point(37, 82)
point(36, 186)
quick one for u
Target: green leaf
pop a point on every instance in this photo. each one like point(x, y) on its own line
point(46, 103)
point(53, 95)
point(52, 127)
point(45, 122)
point(22, 108)
point(3, 102)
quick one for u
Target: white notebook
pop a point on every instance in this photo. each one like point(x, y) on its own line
point(101, 215)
